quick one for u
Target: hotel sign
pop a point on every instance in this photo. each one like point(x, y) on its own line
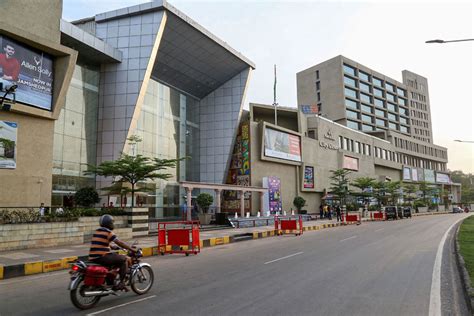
point(328, 145)
point(328, 135)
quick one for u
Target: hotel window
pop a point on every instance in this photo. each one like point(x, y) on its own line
point(352, 124)
point(403, 129)
point(390, 97)
point(366, 98)
point(378, 152)
point(403, 111)
point(378, 103)
point(384, 154)
point(345, 143)
point(380, 122)
point(351, 145)
point(349, 70)
point(350, 93)
point(379, 113)
point(389, 86)
point(403, 120)
point(357, 147)
point(318, 85)
point(366, 127)
point(317, 74)
point(366, 108)
point(364, 87)
point(351, 104)
point(401, 92)
point(349, 81)
point(392, 125)
point(392, 117)
point(391, 107)
point(402, 101)
point(367, 149)
point(352, 114)
point(366, 118)
point(377, 82)
point(378, 92)
point(364, 76)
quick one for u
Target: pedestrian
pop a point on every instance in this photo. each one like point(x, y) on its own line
point(329, 212)
point(321, 213)
point(325, 210)
point(338, 213)
point(42, 209)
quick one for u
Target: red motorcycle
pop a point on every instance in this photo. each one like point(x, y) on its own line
point(90, 281)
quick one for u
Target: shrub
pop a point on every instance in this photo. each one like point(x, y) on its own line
point(204, 200)
point(419, 203)
point(86, 197)
point(299, 203)
point(352, 207)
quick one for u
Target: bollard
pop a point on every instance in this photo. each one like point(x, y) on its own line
point(258, 214)
point(292, 212)
point(247, 215)
point(284, 213)
point(236, 216)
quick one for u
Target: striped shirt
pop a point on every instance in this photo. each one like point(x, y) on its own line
point(100, 243)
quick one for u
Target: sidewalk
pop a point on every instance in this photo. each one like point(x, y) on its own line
point(31, 261)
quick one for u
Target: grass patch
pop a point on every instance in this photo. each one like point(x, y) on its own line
point(466, 244)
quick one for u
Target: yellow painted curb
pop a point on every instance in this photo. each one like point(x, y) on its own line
point(212, 242)
point(1, 272)
point(147, 252)
point(271, 233)
point(201, 244)
point(226, 239)
point(52, 265)
point(33, 267)
point(67, 262)
point(255, 235)
point(264, 234)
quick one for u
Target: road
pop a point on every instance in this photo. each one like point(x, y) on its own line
point(378, 268)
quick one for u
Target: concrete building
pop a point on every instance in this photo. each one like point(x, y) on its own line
point(147, 70)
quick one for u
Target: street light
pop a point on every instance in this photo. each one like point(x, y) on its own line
point(440, 41)
point(464, 141)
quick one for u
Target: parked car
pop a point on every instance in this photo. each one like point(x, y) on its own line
point(399, 212)
point(391, 212)
point(457, 209)
point(407, 211)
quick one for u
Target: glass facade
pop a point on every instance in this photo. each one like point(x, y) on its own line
point(364, 87)
point(366, 98)
point(366, 127)
point(349, 81)
point(349, 70)
point(352, 114)
point(364, 76)
point(75, 135)
point(392, 117)
point(168, 131)
point(389, 86)
point(391, 107)
point(350, 92)
point(366, 108)
point(379, 113)
point(378, 92)
point(402, 101)
point(351, 104)
point(380, 122)
point(378, 102)
point(366, 118)
point(353, 125)
point(377, 82)
point(390, 97)
point(403, 129)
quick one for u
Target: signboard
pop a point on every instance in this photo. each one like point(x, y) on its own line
point(273, 197)
point(308, 180)
point(8, 144)
point(282, 145)
point(309, 109)
point(421, 175)
point(442, 178)
point(429, 175)
point(30, 69)
point(414, 174)
point(350, 163)
point(406, 173)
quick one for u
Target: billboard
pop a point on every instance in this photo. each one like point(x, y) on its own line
point(442, 178)
point(30, 69)
point(282, 145)
point(308, 179)
point(309, 109)
point(8, 132)
point(414, 174)
point(429, 175)
point(350, 163)
point(406, 173)
point(272, 198)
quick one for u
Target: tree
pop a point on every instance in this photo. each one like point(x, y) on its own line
point(408, 191)
point(134, 168)
point(364, 184)
point(86, 197)
point(204, 200)
point(392, 188)
point(340, 184)
point(299, 203)
point(379, 192)
point(427, 191)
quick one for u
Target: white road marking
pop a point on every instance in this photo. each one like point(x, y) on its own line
point(348, 238)
point(435, 295)
point(289, 256)
point(121, 305)
point(377, 230)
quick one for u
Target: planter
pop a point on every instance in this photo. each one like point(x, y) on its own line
point(204, 218)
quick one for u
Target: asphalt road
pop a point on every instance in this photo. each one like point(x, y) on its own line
point(378, 268)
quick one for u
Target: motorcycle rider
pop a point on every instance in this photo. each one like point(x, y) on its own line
point(100, 252)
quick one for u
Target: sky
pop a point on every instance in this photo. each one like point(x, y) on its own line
point(388, 37)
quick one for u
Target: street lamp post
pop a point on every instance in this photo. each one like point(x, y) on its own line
point(440, 41)
point(464, 141)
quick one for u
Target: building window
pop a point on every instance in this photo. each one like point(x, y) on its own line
point(366, 108)
point(390, 97)
point(357, 147)
point(349, 81)
point(319, 96)
point(364, 76)
point(318, 85)
point(401, 92)
point(378, 92)
point(317, 74)
point(380, 122)
point(366, 127)
point(364, 87)
point(403, 111)
point(366, 118)
point(403, 120)
point(352, 114)
point(345, 143)
point(389, 86)
point(402, 101)
point(403, 129)
point(367, 149)
point(379, 113)
point(377, 82)
point(340, 141)
point(391, 107)
point(350, 93)
point(349, 70)
point(392, 126)
point(351, 145)
point(378, 103)
point(352, 124)
point(392, 117)
point(351, 104)
point(384, 154)
point(366, 98)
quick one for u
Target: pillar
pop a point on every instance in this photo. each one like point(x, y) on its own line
point(188, 203)
point(218, 200)
point(242, 204)
point(262, 203)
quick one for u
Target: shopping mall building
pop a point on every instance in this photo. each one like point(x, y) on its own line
point(84, 87)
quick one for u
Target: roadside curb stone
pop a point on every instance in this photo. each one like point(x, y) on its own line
point(468, 291)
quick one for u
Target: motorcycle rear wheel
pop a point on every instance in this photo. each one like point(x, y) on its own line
point(142, 280)
point(81, 301)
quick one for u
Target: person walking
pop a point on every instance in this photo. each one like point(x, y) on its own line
point(329, 212)
point(321, 212)
point(325, 210)
point(338, 213)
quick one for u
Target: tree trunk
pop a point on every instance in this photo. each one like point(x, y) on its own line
point(133, 195)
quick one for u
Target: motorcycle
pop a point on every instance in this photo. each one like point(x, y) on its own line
point(90, 281)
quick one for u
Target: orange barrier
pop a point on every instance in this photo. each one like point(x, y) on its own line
point(289, 225)
point(179, 237)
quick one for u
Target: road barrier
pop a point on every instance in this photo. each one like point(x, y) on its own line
point(377, 216)
point(179, 237)
point(289, 225)
point(351, 218)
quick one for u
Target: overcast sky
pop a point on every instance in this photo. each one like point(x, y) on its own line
point(385, 36)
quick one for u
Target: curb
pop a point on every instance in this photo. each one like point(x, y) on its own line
point(37, 267)
point(465, 279)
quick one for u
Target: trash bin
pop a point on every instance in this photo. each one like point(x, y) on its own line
point(221, 219)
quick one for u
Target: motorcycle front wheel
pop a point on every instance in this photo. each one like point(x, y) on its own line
point(81, 301)
point(142, 280)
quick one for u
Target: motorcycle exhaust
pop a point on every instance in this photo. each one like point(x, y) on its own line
point(98, 293)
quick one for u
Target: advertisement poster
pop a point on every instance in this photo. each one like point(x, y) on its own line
point(308, 180)
point(414, 174)
point(421, 175)
point(29, 69)
point(406, 173)
point(442, 178)
point(309, 109)
point(429, 175)
point(272, 198)
point(350, 163)
point(282, 145)
point(8, 132)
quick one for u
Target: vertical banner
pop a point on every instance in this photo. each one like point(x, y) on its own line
point(274, 194)
point(8, 134)
point(308, 179)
